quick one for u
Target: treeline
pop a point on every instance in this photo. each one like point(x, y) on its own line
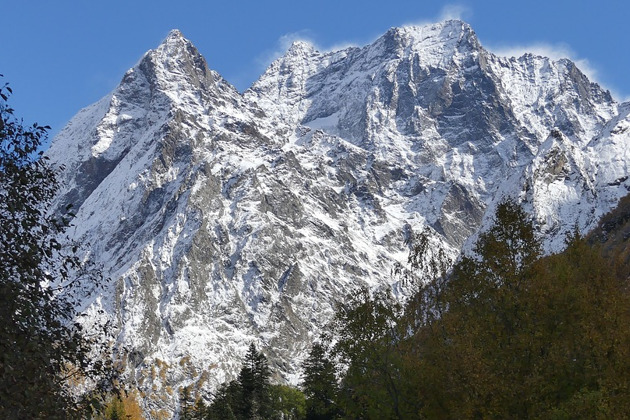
point(250, 396)
point(506, 333)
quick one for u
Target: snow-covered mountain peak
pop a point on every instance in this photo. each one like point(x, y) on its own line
point(175, 63)
point(300, 48)
point(173, 36)
point(174, 44)
point(434, 43)
point(225, 218)
point(331, 88)
point(443, 31)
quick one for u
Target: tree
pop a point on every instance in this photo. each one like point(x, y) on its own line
point(527, 336)
point(254, 382)
point(252, 396)
point(474, 358)
point(510, 247)
point(226, 402)
point(369, 334)
point(248, 397)
point(186, 404)
point(320, 385)
point(122, 407)
point(507, 333)
point(580, 321)
point(287, 403)
point(43, 350)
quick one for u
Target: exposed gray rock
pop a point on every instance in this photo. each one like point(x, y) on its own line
point(224, 218)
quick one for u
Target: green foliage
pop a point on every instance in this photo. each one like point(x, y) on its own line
point(477, 361)
point(510, 247)
point(252, 396)
point(320, 385)
point(254, 383)
point(44, 354)
point(287, 403)
point(369, 334)
point(525, 336)
point(508, 334)
point(226, 402)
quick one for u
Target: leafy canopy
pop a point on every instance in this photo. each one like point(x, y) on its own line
point(44, 353)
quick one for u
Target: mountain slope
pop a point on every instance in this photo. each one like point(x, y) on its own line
point(224, 218)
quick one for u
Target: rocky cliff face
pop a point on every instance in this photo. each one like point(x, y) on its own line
point(224, 218)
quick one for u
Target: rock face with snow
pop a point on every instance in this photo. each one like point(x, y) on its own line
point(223, 218)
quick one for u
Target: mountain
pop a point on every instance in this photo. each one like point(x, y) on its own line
point(612, 234)
point(223, 218)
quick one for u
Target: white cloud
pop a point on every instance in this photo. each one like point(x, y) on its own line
point(556, 52)
point(553, 51)
point(448, 12)
point(282, 45)
point(455, 11)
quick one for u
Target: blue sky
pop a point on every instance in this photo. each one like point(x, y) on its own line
point(60, 56)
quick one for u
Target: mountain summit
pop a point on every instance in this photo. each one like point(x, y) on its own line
point(224, 218)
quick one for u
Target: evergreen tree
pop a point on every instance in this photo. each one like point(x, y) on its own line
point(226, 402)
point(320, 385)
point(253, 397)
point(254, 383)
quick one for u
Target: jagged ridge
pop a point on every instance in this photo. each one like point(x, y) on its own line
point(224, 218)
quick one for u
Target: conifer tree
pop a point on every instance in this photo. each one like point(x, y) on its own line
point(226, 403)
point(320, 385)
point(254, 383)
